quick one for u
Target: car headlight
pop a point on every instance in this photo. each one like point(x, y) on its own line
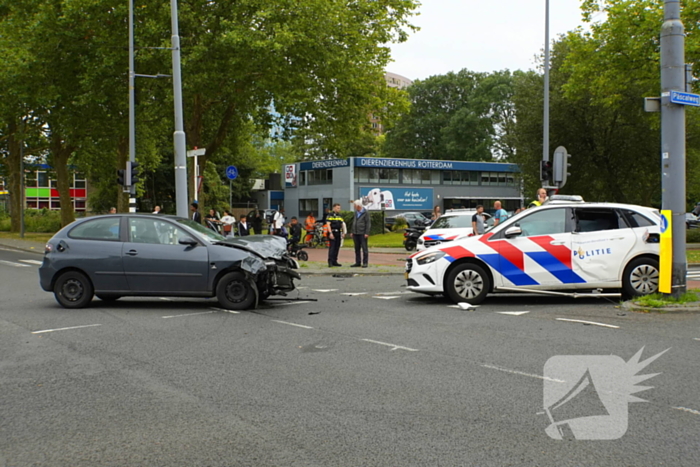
point(430, 257)
point(420, 241)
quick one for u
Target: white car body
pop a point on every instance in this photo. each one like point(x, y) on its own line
point(460, 221)
point(561, 246)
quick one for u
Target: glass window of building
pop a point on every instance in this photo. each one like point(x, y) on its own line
point(302, 178)
point(43, 180)
point(307, 206)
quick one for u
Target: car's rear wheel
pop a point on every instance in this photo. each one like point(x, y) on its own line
point(641, 277)
point(467, 283)
point(73, 290)
point(235, 292)
point(108, 297)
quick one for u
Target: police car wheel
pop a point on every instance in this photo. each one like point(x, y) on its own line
point(235, 292)
point(641, 277)
point(467, 283)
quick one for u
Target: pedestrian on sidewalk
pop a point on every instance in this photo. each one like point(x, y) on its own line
point(478, 221)
point(335, 226)
point(361, 226)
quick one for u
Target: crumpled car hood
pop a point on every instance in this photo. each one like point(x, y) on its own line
point(267, 246)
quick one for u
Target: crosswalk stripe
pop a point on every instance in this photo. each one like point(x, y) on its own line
point(17, 265)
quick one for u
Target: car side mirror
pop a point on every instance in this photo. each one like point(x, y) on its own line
point(513, 231)
point(189, 241)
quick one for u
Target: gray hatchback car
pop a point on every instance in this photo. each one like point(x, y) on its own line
point(118, 255)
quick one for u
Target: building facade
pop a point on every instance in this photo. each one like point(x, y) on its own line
point(40, 189)
point(399, 185)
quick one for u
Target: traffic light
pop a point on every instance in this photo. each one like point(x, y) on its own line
point(121, 177)
point(133, 168)
point(545, 172)
point(561, 166)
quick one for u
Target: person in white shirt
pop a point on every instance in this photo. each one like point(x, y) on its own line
point(228, 221)
point(278, 222)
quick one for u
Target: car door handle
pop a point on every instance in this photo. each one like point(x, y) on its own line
point(132, 252)
point(557, 242)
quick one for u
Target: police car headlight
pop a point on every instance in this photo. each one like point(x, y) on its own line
point(420, 241)
point(430, 257)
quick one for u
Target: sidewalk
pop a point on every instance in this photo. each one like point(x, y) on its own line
point(383, 261)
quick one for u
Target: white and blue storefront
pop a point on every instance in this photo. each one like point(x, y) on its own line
point(398, 185)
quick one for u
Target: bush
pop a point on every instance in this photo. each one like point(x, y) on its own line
point(400, 223)
point(36, 220)
point(692, 236)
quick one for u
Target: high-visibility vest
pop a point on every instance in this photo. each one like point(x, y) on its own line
point(534, 204)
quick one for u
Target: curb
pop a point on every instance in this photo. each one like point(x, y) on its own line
point(632, 306)
point(340, 273)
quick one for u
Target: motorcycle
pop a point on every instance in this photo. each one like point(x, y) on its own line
point(412, 234)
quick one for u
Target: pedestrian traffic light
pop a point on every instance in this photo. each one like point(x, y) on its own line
point(133, 170)
point(561, 166)
point(121, 177)
point(545, 172)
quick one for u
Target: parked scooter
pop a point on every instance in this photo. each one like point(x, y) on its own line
point(411, 236)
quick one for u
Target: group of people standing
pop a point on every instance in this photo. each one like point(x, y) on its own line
point(360, 229)
point(226, 225)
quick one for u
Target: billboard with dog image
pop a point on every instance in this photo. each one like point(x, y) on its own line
point(401, 199)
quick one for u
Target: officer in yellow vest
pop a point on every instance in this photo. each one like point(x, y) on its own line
point(541, 198)
point(335, 228)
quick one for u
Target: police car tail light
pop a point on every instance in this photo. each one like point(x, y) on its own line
point(430, 257)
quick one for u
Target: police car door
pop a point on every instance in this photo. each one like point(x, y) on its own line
point(536, 250)
point(600, 242)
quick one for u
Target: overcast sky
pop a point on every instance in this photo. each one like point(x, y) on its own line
point(486, 35)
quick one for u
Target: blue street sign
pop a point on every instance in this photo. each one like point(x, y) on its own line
point(664, 223)
point(231, 172)
point(685, 98)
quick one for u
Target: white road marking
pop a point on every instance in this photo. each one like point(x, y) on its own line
point(353, 294)
point(385, 298)
point(589, 322)
point(295, 303)
point(395, 347)
point(393, 293)
point(516, 372)
point(166, 299)
point(17, 265)
point(32, 261)
point(325, 290)
point(189, 314)
point(696, 338)
point(225, 310)
point(685, 409)
point(66, 329)
point(304, 287)
point(292, 324)
point(513, 313)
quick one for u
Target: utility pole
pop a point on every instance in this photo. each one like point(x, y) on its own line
point(673, 76)
point(179, 134)
point(130, 188)
point(545, 121)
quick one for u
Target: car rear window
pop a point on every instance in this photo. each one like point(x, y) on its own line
point(106, 228)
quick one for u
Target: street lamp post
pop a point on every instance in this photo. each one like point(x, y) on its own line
point(179, 134)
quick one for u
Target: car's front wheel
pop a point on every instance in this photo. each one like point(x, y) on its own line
point(73, 289)
point(467, 283)
point(235, 292)
point(641, 277)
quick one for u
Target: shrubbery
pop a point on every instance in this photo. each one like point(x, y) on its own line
point(36, 220)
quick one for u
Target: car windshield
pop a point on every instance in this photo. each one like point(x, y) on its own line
point(205, 233)
point(453, 222)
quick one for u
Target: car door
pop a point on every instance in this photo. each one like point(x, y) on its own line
point(155, 262)
point(600, 243)
point(540, 255)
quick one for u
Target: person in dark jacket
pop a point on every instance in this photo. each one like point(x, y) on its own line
point(196, 216)
point(361, 226)
point(243, 228)
point(256, 222)
point(335, 226)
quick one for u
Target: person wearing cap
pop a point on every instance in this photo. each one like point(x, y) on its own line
point(361, 226)
point(334, 222)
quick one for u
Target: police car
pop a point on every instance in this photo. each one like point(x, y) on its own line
point(453, 225)
point(565, 245)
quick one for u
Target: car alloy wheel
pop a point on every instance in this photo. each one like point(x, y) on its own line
point(467, 283)
point(641, 277)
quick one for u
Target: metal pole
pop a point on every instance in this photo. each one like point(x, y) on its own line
point(132, 111)
point(179, 134)
point(230, 194)
point(545, 121)
point(195, 171)
point(21, 184)
point(673, 137)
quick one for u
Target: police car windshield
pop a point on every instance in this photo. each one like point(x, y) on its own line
point(453, 222)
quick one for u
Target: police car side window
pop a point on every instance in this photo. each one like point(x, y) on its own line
point(595, 220)
point(634, 219)
point(544, 222)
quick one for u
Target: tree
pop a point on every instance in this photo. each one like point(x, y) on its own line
point(455, 116)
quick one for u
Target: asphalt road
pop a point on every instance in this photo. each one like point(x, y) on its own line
point(376, 377)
